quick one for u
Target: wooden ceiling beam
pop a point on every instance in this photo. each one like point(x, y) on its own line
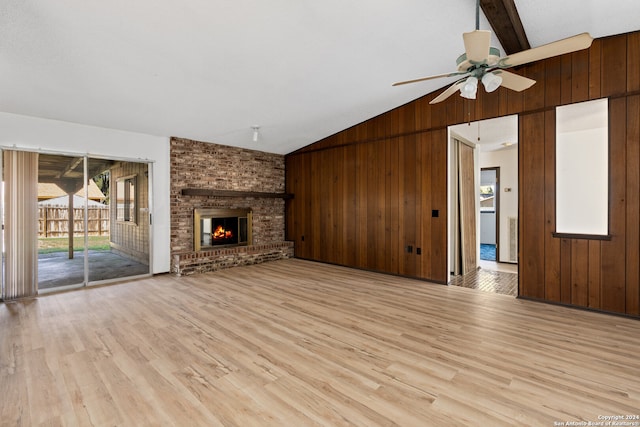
point(504, 19)
point(70, 166)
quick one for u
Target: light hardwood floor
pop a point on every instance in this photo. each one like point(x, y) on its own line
point(296, 343)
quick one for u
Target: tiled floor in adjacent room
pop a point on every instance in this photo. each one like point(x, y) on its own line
point(496, 277)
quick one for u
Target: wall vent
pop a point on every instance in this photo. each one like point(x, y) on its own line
point(513, 239)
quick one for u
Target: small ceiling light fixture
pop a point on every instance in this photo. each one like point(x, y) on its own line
point(255, 133)
point(469, 89)
point(491, 82)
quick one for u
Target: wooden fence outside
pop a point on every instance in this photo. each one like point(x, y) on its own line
point(53, 221)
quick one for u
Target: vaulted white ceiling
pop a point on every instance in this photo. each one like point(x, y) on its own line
point(211, 69)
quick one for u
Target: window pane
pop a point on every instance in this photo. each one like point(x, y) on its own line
point(126, 199)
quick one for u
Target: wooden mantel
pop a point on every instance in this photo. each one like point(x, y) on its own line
point(231, 193)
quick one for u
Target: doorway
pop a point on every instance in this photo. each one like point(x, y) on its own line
point(496, 170)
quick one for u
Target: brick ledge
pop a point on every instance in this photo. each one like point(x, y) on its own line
point(190, 262)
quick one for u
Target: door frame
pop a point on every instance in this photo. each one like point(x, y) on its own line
point(469, 217)
point(454, 244)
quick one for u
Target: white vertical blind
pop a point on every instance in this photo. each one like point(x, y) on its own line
point(21, 224)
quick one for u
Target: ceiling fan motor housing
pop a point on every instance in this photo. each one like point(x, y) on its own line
point(492, 60)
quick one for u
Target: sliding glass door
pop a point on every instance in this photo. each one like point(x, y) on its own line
point(61, 206)
point(122, 247)
point(85, 220)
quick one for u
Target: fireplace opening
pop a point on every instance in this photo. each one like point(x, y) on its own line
point(221, 227)
point(224, 231)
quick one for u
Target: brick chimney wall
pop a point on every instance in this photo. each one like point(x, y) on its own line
point(203, 165)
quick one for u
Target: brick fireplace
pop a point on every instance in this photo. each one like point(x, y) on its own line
point(228, 182)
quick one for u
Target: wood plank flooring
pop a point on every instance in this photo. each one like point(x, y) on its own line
point(298, 343)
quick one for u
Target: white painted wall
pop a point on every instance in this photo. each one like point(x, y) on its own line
point(33, 133)
point(507, 160)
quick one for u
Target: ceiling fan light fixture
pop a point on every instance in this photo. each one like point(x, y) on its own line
point(469, 89)
point(479, 57)
point(491, 82)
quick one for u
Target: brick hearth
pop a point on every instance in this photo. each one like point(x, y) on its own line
point(200, 262)
point(202, 165)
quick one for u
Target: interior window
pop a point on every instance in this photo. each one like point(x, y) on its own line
point(582, 173)
point(487, 198)
point(126, 199)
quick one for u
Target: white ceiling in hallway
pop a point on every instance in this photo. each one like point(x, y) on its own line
point(211, 70)
point(491, 134)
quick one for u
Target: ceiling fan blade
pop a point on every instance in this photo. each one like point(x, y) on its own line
point(455, 73)
point(514, 81)
point(476, 45)
point(560, 47)
point(447, 93)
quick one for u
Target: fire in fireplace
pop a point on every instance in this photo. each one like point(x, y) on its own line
point(221, 233)
point(221, 227)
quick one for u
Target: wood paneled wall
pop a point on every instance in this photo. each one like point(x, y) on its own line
point(364, 195)
point(364, 205)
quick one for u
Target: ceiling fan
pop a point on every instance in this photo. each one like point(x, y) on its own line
point(482, 62)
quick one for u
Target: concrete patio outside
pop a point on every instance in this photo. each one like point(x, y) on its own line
point(56, 269)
